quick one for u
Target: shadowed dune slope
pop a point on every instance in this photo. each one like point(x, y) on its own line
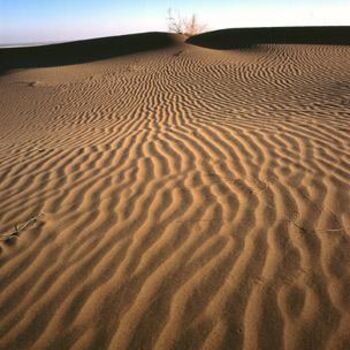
point(180, 198)
point(84, 50)
point(246, 37)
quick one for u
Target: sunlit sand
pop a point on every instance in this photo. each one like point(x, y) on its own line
point(158, 194)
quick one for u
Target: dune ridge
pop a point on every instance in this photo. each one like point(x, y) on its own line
point(190, 198)
point(246, 37)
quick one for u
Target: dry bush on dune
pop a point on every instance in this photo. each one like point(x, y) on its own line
point(182, 25)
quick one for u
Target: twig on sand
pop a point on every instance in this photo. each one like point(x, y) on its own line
point(18, 228)
point(319, 230)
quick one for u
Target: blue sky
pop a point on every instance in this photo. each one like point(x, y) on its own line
point(30, 21)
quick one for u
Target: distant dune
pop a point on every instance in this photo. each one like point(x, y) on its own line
point(245, 37)
point(156, 194)
point(84, 50)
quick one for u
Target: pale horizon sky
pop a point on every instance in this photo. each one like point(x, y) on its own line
point(35, 21)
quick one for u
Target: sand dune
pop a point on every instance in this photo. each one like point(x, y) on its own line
point(248, 37)
point(177, 198)
point(84, 51)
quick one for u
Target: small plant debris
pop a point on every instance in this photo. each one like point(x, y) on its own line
point(18, 228)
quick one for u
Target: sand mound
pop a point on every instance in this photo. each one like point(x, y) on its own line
point(247, 37)
point(183, 198)
point(84, 50)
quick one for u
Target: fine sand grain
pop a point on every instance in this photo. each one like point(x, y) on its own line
point(177, 197)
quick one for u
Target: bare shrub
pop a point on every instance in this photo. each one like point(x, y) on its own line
point(175, 25)
point(182, 25)
point(193, 27)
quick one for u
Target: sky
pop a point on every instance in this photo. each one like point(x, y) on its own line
point(37, 21)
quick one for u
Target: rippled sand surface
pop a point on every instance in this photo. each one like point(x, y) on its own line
point(177, 198)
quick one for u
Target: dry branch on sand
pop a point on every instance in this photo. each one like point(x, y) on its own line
point(18, 228)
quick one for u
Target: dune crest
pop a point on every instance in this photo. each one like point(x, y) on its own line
point(189, 199)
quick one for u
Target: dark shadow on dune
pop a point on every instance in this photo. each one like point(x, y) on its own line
point(83, 51)
point(244, 38)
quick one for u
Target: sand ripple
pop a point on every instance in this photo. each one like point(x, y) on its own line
point(190, 199)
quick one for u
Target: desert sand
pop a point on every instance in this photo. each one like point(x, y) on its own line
point(163, 194)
